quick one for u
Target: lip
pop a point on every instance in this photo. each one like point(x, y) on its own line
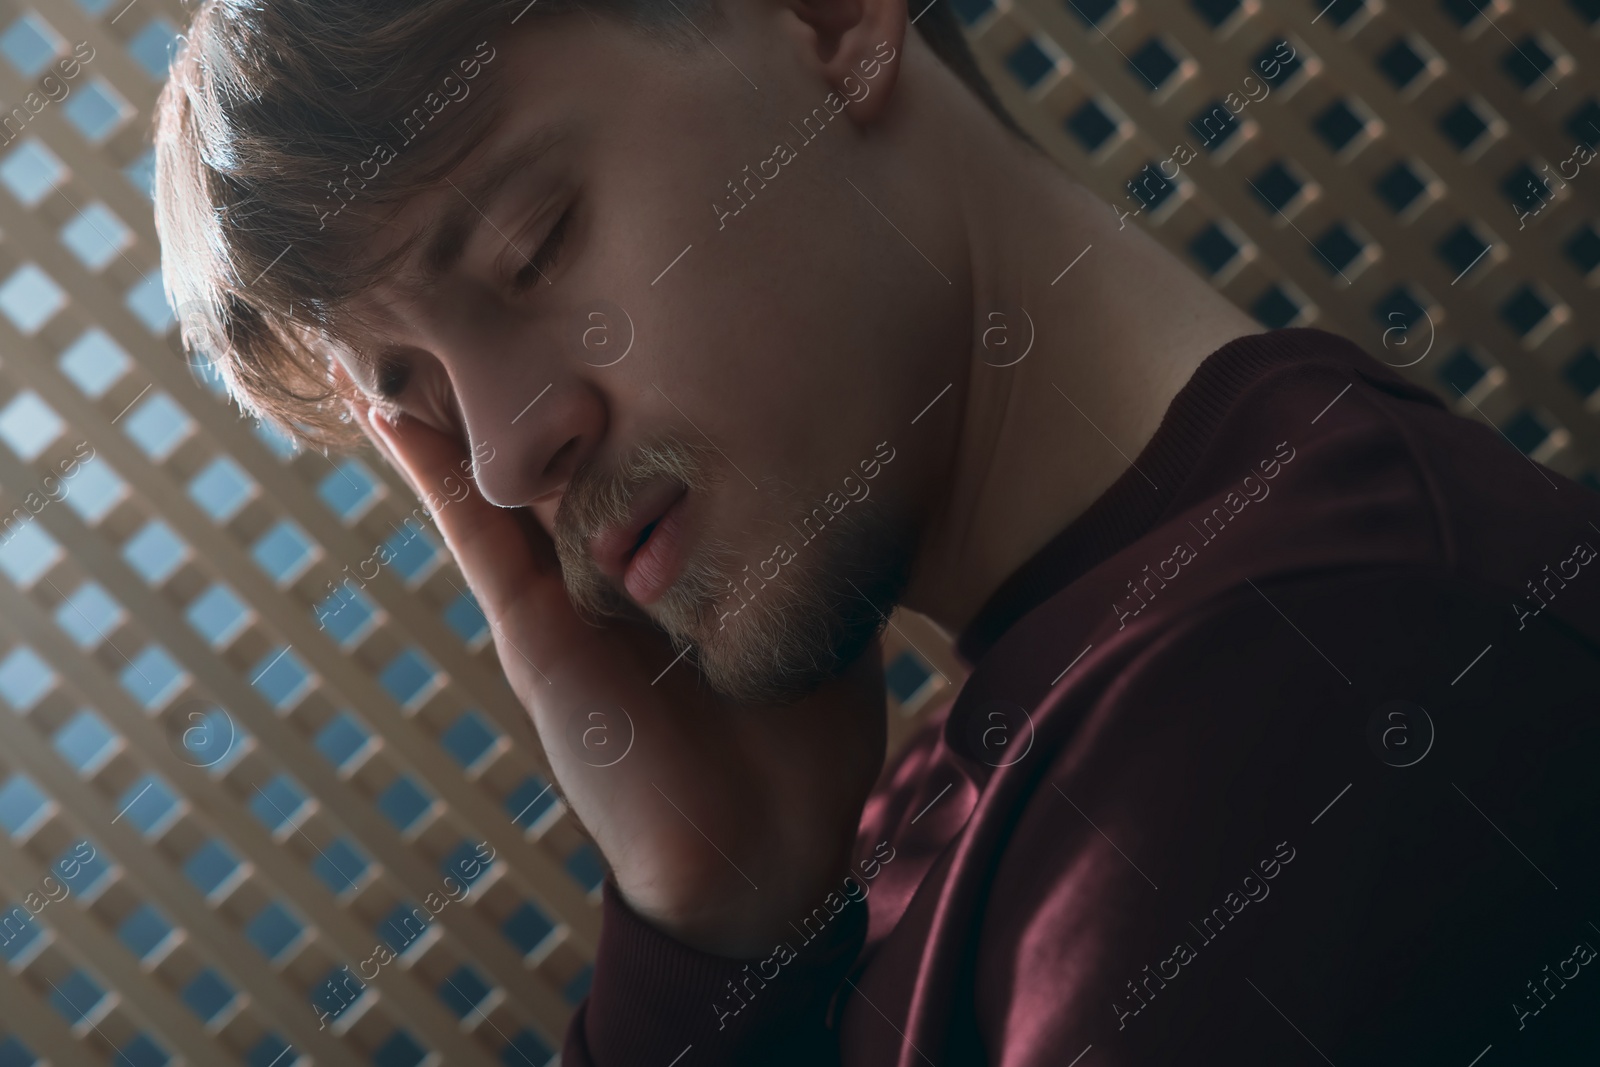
point(643, 570)
point(659, 561)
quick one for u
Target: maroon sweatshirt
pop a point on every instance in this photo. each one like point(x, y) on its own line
point(1286, 751)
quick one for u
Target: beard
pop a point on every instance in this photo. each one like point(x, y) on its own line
point(755, 639)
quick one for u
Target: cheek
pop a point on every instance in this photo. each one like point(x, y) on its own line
point(545, 514)
point(792, 336)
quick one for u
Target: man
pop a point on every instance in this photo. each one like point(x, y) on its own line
point(1280, 737)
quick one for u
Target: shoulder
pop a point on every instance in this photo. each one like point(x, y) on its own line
point(1309, 654)
point(1303, 785)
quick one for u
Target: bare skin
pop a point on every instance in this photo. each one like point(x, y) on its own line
point(702, 819)
point(725, 821)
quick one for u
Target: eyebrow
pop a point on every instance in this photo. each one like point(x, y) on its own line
point(444, 239)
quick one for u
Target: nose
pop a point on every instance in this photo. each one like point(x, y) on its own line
point(523, 455)
point(530, 420)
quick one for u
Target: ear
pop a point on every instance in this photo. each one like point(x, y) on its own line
point(857, 46)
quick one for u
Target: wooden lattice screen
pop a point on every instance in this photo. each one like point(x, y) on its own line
point(1414, 176)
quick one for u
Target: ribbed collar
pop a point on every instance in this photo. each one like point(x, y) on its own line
point(1130, 508)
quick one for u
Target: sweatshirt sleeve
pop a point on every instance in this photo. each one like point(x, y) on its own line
point(655, 998)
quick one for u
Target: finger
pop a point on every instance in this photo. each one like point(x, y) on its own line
point(363, 413)
point(364, 419)
point(519, 726)
point(496, 554)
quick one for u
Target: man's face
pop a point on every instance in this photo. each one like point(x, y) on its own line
point(700, 377)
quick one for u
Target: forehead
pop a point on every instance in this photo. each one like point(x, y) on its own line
point(413, 241)
point(427, 234)
point(553, 78)
point(555, 87)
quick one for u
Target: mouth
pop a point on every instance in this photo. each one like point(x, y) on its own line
point(645, 554)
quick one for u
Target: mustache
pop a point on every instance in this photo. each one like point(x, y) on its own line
point(601, 495)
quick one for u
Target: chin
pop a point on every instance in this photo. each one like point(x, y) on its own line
point(776, 641)
point(769, 619)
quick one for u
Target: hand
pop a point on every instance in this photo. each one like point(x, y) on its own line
point(724, 822)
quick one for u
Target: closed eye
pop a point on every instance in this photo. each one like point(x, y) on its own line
point(392, 376)
point(545, 258)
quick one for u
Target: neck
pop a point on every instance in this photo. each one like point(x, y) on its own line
point(1113, 340)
